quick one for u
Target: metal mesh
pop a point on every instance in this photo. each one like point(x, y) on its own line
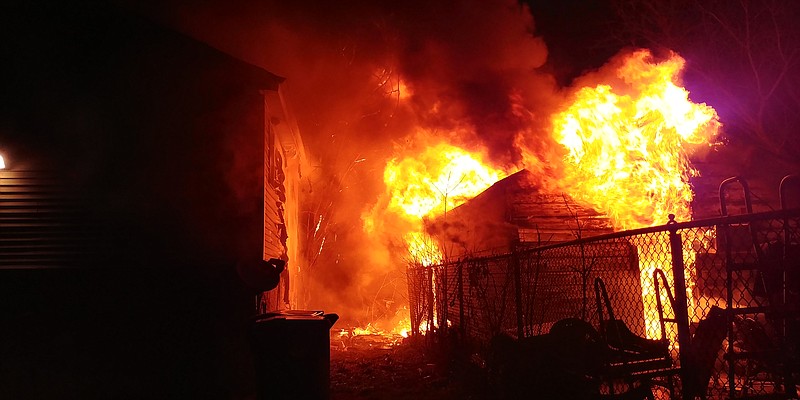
point(751, 272)
point(420, 293)
point(724, 293)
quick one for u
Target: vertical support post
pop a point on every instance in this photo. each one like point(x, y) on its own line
point(441, 297)
point(431, 300)
point(461, 323)
point(681, 301)
point(515, 264)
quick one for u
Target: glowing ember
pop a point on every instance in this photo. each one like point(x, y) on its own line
point(368, 337)
point(368, 330)
point(627, 152)
point(402, 328)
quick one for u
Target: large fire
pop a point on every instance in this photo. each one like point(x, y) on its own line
point(628, 147)
point(425, 185)
point(627, 142)
point(441, 178)
point(429, 184)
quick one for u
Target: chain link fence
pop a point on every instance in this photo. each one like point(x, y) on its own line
point(702, 309)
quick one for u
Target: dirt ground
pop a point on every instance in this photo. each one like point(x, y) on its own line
point(375, 367)
point(371, 367)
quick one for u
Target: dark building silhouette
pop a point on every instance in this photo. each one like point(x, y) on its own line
point(142, 167)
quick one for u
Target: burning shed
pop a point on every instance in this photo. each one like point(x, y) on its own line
point(485, 240)
point(515, 212)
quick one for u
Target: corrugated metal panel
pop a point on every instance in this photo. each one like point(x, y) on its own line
point(41, 223)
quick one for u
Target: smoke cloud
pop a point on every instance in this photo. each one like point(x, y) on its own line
point(364, 79)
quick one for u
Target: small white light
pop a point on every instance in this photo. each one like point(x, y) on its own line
point(2, 163)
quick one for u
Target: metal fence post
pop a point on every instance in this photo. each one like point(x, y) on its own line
point(441, 300)
point(681, 301)
point(461, 323)
point(517, 291)
point(431, 299)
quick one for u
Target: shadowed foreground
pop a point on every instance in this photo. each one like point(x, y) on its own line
point(375, 371)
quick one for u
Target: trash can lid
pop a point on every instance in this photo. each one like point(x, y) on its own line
point(297, 315)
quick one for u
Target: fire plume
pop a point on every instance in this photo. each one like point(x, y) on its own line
point(626, 140)
point(428, 184)
point(421, 185)
point(628, 146)
point(441, 178)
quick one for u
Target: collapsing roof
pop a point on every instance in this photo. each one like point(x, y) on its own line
point(515, 211)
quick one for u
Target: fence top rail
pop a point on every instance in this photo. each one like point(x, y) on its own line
point(676, 226)
point(668, 227)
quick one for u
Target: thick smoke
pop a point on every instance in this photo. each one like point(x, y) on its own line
point(364, 78)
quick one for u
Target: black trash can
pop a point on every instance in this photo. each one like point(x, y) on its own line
point(291, 351)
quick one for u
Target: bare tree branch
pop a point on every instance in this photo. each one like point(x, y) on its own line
point(743, 54)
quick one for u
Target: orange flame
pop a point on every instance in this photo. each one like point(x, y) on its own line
point(439, 179)
point(628, 144)
point(627, 153)
point(425, 185)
